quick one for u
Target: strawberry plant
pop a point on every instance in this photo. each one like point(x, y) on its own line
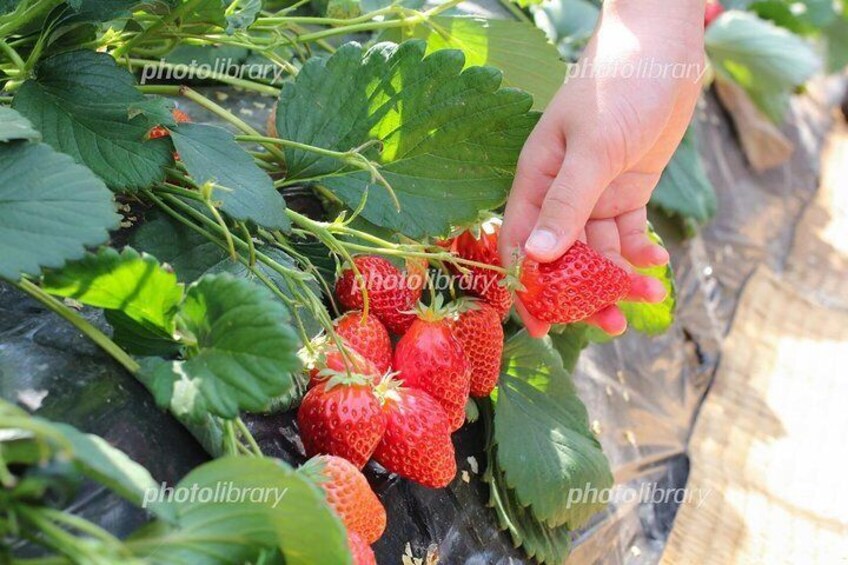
point(291, 270)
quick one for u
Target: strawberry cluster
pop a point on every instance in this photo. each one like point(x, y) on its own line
point(399, 405)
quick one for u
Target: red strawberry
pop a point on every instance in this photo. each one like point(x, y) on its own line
point(477, 327)
point(341, 416)
point(158, 131)
point(367, 336)
point(430, 358)
point(484, 283)
point(712, 11)
point(349, 495)
point(417, 443)
point(574, 287)
point(326, 360)
point(360, 550)
point(390, 297)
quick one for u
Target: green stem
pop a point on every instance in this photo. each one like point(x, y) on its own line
point(81, 324)
point(13, 55)
point(516, 11)
point(251, 441)
point(222, 113)
point(84, 526)
point(157, 24)
point(57, 538)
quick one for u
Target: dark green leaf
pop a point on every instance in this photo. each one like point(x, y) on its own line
point(569, 341)
point(13, 126)
point(81, 102)
point(545, 446)
point(447, 135)
point(539, 541)
point(528, 61)
point(287, 511)
point(50, 209)
point(245, 352)
point(246, 192)
point(684, 189)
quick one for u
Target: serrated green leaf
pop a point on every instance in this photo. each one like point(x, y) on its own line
point(245, 352)
point(80, 102)
point(447, 135)
point(246, 192)
point(133, 284)
point(50, 209)
point(539, 541)
point(684, 189)
point(521, 51)
point(653, 319)
point(287, 511)
point(545, 446)
point(764, 59)
point(13, 126)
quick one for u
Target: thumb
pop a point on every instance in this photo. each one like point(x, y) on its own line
point(567, 206)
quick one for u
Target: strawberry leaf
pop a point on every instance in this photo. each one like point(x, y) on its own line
point(13, 126)
point(50, 209)
point(211, 155)
point(242, 506)
point(544, 443)
point(767, 61)
point(136, 284)
point(82, 104)
point(447, 134)
point(517, 49)
point(684, 189)
point(242, 351)
point(653, 319)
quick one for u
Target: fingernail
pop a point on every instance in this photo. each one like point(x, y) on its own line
point(541, 241)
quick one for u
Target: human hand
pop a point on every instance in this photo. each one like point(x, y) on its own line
point(588, 169)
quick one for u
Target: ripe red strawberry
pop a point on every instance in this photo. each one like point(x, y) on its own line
point(326, 360)
point(577, 285)
point(360, 550)
point(367, 336)
point(417, 442)
point(349, 495)
point(477, 327)
point(158, 131)
point(428, 357)
point(342, 417)
point(712, 11)
point(390, 297)
point(481, 282)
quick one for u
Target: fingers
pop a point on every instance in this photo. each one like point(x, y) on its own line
point(646, 289)
point(567, 205)
point(636, 247)
point(536, 328)
point(537, 168)
point(603, 237)
point(611, 320)
point(629, 191)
